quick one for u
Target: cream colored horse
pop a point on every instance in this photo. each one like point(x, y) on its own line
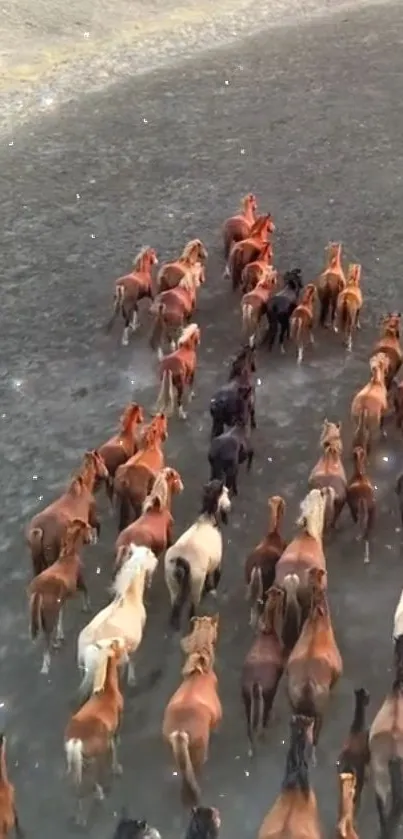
point(125, 617)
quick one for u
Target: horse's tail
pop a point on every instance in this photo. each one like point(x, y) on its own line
point(166, 397)
point(43, 612)
point(75, 759)
point(35, 539)
point(158, 326)
point(88, 661)
point(248, 318)
point(35, 614)
point(181, 574)
point(254, 593)
point(235, 267)
point(179, 741)
point(362, 516)
point(254, 707)
point(325, 298)
point(296, 329)
point(118, 299)
point(292, 610)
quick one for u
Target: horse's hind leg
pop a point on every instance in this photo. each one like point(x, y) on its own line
point(179, 400)
point(284, 332)
point(116, 766)
point(231, 479)
point(382, 817)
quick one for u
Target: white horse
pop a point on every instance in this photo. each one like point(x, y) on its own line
point(398, 619)
point(125, 617)
point(193, 563)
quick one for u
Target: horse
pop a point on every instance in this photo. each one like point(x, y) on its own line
point(123, 619)
point(263, 668)
point(205, 823)
point(349, 305)
point(91, 732)
point(172, 310)
point(260, 566)
point(386, 745)
point(354, 757)
point(302, 553)
point(154, 528)
point(329, 471)
point(193, 563)
point(195, 709)
point(345, 826)
point(280, 307)
point(315, 663)
point(49, 590)
point(9, 819)
point(230, 449)
point(124, 444)
point(132, 288)
point(260, 269)
point(361, 499)
point(177, 372)
point(330, 283)
point(373, 398)
point(237, 228)
point(227, 402)
point(388, 344)
point(191, 261)
point(135, 829)
point(254, 302)
point(295, 813)
point(301, 321)
point(249, 249)
point(45, 531)
point(134, 479)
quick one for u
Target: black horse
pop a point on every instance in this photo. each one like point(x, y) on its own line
point(135, 829)
point(224, 406)
point(230, 449)
point(280, 307)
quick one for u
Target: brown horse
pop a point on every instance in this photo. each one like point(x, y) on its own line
point(46, 530)
point(301, 321)
point(135, 478)
point(354, 757)
point(373, 398)
point(388, 344)
point(195, 708)
point(254, 303)
point(125, 443)
point(249, 249)
point(263, 668)
point(177, 372)
point(349, 305)
point(132, 288)
point(329, 470)
point(315, 663)
point(8, 812)
point(361, 499)
point(154, 528)
point(330, 283)
point(238, 227)
point(172, 310)
point(258, 270)
point(345, 825)
point(260, 566)
point(191, 261)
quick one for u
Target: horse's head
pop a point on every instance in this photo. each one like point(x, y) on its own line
point(276, 507)
point(135, 829)
point(310, 294)
point(94, 464)
point(195, 251)
point(132, 415)
point(331, 431)
point(190, 338)
point(76, 530)
point(174, 480)
point(293, 279)
point(216, 501)
point(205, 823)
point(333, 253)
point(204, 630)
point(360, 459)
point(379, 365)
point(317, 580)
point(160, 427)
point(354, 274)
point(145, 259)
point(249, 204)
point(244, 361)
point(390, 325)
point(273, 607)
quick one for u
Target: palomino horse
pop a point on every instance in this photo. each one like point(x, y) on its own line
point(330, 283)
point(280, 307)
point(124, 444)
point(172, 310)
point(260, 269)
point(329, 470)
point(315, 663)
point(263, 668)
point(154, 528)
point(49, 590)
point(260, 566)
point(232, 448)
point(304, 552)
point(354, 756)
point(132, 288)
point(227, 402)
point(253, 304)
point(238, 227)
point(345, 825)
point(302, 320)
point(386, 744)
point(193, 563)
point(295, 813)
point(45, 531)
point(124, 619)
point(177, 372)
point(92, 731)
point(8, 811)
point(373, 398)
point(361, 499)
point(388, 344)
point(134, 479)
point(191, 261)
point(195, 708)
point(349, 305)
point(249, 249)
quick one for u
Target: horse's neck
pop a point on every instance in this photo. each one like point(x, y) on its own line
point(248, 213)
point(68, 559)
point(273, 528)
point(135, 591)
point(88, 479)
point(111, 686)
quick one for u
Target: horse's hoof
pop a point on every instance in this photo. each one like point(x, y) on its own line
point(118, 769)
point(125, 340)
point(213, 592)
point(335, 329)
point(182, 414)
point(99, 793)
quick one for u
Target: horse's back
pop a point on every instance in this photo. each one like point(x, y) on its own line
point(336, 482)
point(199, 544)
point(299, 558)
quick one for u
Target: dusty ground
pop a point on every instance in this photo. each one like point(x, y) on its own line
point(309, 121)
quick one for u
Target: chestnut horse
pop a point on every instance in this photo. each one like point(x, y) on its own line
point(330, 283)
point(349, 305)
point(249, 249)
point(154, 528)
point(134, 479)
point(8, 811)
point(172, 309)
point(329, 470)
point(191, 261)
point(132, 288)
point(253, 304)
point(373, 398)
point(304, 552)
point(258, 270)
point(295, 814)
point(177, 372)
point(238, 227)
point(301, 320)
point(388, 344)
point(195, 708)
point(124, 444)
point(45, 531)
point(315, 663)
point(260, 566)
point(361, 499)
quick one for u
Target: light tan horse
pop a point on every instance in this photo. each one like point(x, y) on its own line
point(195, 708)
point(302, 319)
point(237, 228)
point(330, 283)
point(373, 398)
point(125, 617)
point(254, 302)
point(345, 825)
point(191, 261)
point(349, 305)
point(329, 470)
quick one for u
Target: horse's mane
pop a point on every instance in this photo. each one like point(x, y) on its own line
point(259, 225)
point(69, 539)
point(330, 439)
point(200, 661)
point(296, 771)
point(189, 248)
point(159, 493)
point(354, 274)
point(188, 281)
point(187, 333)
point(127, 417)
point(133, 566)
point(148, 439)
point(309, 514)
point(201, 637)
point(140, 256)
point(78, 480)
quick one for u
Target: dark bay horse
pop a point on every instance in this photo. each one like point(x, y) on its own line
point(230, 449)
point(281, 305)
point(225, 404)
